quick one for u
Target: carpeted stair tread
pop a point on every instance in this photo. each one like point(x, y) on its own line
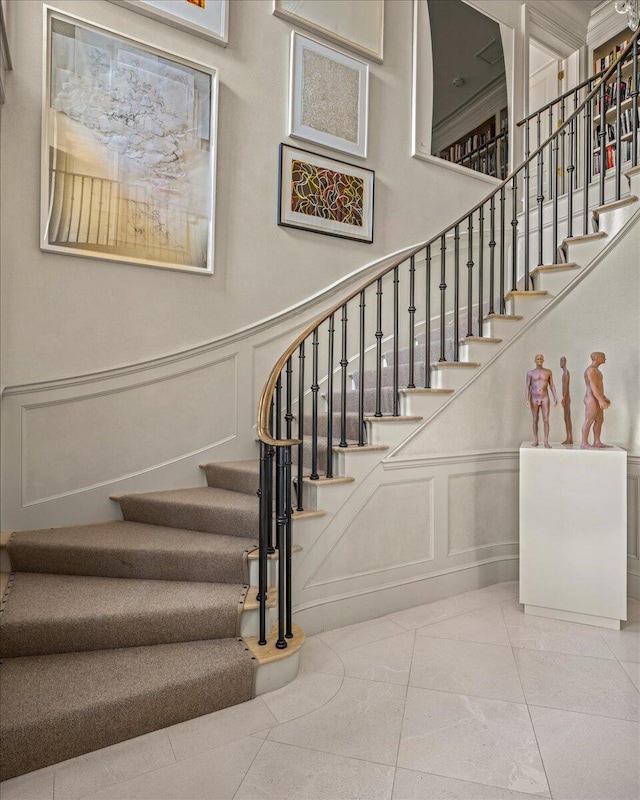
point(69, 613)
point(386, 374)
point(200, 509)
point(56, 707)
point(235, 476)
point(323, 423)
point(353, 400)
point(122, 549)
point(322, 449)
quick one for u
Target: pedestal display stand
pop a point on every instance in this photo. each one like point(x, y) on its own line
point(573, 533)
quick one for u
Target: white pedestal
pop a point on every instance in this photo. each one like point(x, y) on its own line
point(573, 533)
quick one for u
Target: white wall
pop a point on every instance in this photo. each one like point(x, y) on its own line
point(67, 315)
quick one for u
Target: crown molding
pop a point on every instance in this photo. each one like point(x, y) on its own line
point(605, 22)
point(560, 33)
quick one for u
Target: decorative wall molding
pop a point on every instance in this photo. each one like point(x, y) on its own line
point(445, 459)
point(563, 33)
point(605, 22)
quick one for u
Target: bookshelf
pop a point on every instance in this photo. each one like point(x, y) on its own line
point(484, 148)
point(603, 57)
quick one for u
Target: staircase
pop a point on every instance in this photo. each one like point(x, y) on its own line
point(185, 606)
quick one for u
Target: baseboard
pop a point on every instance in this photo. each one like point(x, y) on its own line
point(336, 612)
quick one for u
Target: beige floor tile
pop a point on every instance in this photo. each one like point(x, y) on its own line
point(411, 785)
point(127, 760)
point(80, 776)
point(489, 595)
point(36, 785)
point(308, 692)
point(587, 757)
point(362, 721)
point(486, 626)
point(316, 656)
point(213, 775)
point(362, 633)
point(625, 643)
point(283, 772)
point(221, 727)
point(388, 660)
point(416, 617)
point(483, 670)
point(633, 671)
point(471, 738)
point(577, 683)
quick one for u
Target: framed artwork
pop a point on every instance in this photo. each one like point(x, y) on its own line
point(324, 195)
point(357, 25)
point(206, 18)
point(128, 150)
point(328, 96)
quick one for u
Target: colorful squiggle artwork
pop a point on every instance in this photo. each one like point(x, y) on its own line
point(199, 3)
point(324, 193)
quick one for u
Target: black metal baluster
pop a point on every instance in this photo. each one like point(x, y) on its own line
point(396, 336)
point(574, 149)
point(480, 270)
point(551, 194)
point(278, 428)
point(300, 425)
point(526, 200)
point(378, 412)
point(288, 416)
point(540, 197)
point(443, 289)
point(588, 158)
point(281, 525)
point(314, 406)
point(361, 381)
point(563, 134)
point(618, 130)
point(427, 319)
point(603, 141)
point(456, 293)
point(503, 201)
point(344, 363)
point(514, 238)
point(271, 455)
point(470, 276)
point(555, 159)
point(634, 107)
point(492, 252)
point(265, 521)
point(329, 469)
point(412, 321)
point(570, 170)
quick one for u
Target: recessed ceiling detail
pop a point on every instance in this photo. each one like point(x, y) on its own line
point(491, 53)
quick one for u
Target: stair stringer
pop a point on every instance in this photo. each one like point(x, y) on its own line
point(337, 580)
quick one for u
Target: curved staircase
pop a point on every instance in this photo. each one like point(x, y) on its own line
point(116, 629)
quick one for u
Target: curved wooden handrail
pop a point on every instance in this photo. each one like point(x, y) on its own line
point(266, 398)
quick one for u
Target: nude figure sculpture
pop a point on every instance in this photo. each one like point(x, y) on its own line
point(538, 385)
point(595, 403)
point(566, 400)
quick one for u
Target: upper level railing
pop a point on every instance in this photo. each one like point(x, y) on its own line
point(446, 288)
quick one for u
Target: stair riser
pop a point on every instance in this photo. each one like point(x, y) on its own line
point(250, 621)
point(501, 328)
point(391, 433)
point(357, 465)
point(5, 560)
point(555, 282)
point(232, 481)
point(387, 376)
point(328, 497)
point(423, 405)
point(478, 351)
point(323, 424)
point(611, 222)
point(583, 253)
point(452, 377)
point(272, 572)
point(526, 307)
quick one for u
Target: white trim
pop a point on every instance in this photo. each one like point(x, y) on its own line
point(443, 459)
point(192, 27)
point(562, 38)
point(605, 22)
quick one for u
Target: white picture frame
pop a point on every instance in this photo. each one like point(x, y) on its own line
point(328, 96)
point(357, 25)
point(210, 21)
point(123, 180)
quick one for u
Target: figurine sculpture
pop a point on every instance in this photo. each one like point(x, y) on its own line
point(566, 400)
point(539, 383)
point(595, 402)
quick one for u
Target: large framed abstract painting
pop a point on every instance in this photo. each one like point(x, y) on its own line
point(328, 96)
point(128, 150)
point(206, 18)
point(357, 25)
point(324, 195)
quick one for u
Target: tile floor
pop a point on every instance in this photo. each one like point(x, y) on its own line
point(465, 698)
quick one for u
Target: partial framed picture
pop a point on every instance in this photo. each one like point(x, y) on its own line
point(328, 96)
point(206, 18)
point(323, 195)
point(128, 150)
point(357, 25)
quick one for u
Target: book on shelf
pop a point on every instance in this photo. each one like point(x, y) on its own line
point(604, 63)
point(611, 154)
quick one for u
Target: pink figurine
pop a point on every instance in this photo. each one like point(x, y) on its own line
point(566, 400)
point(595, 403)
point(539, 383)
